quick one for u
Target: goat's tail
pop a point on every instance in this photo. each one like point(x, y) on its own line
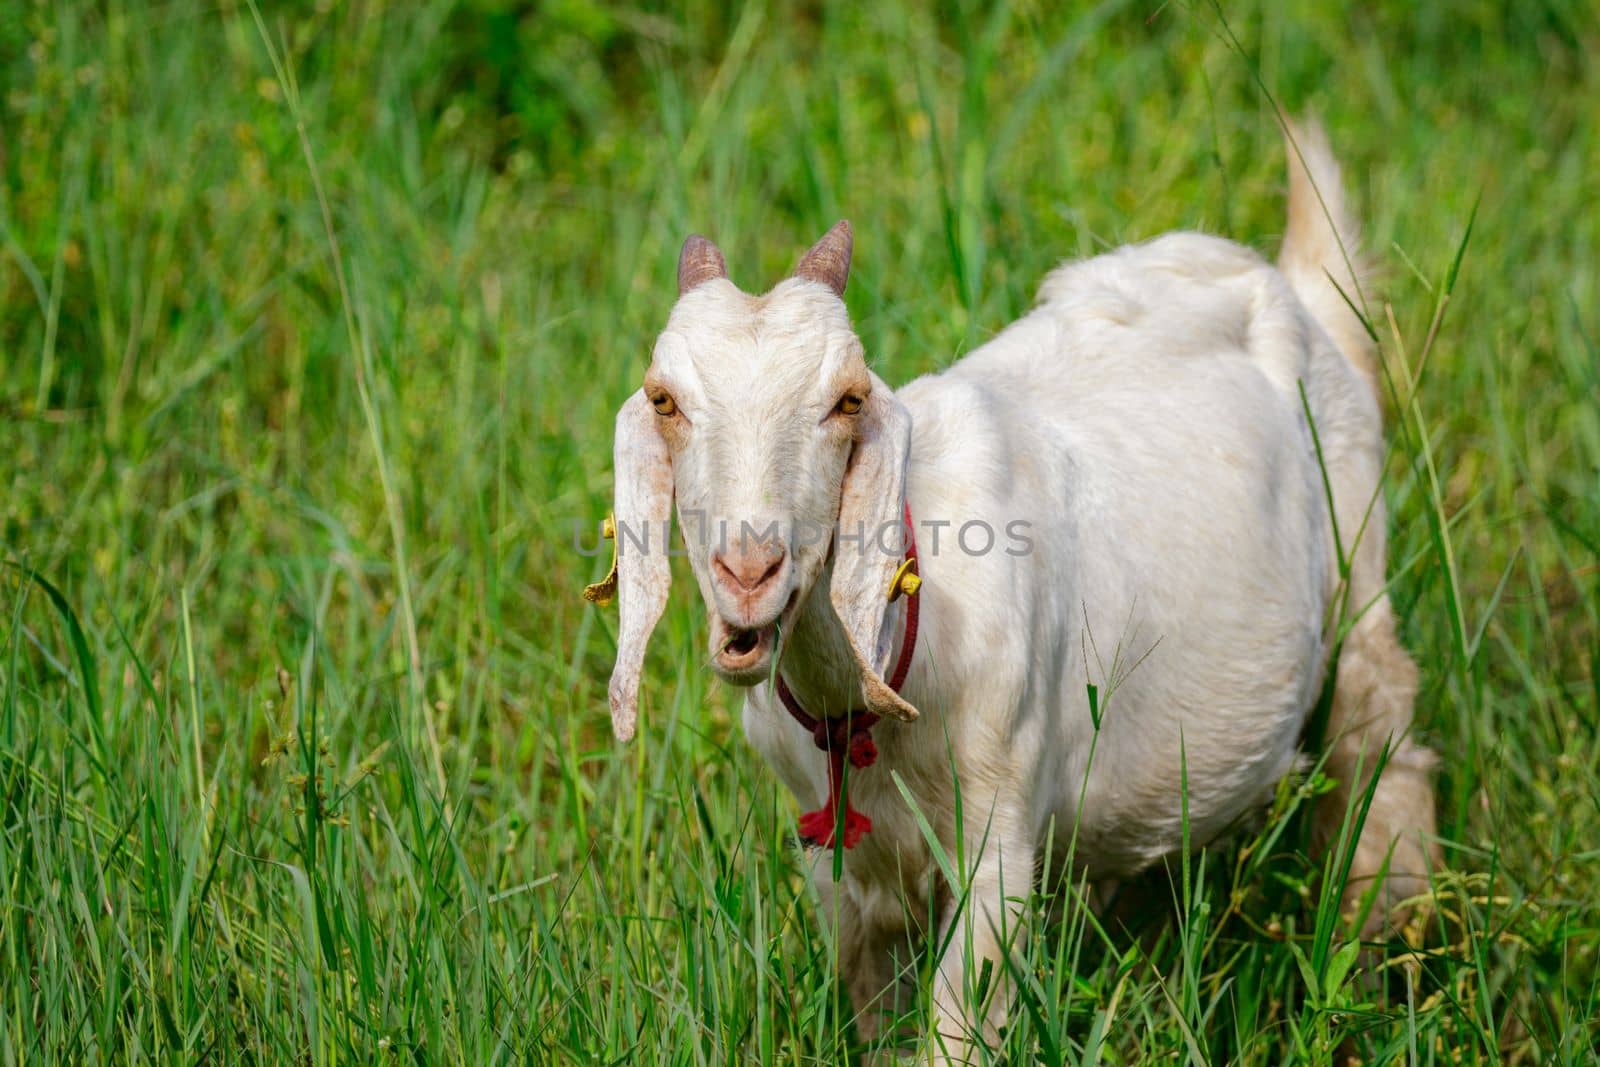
point(1321, 253)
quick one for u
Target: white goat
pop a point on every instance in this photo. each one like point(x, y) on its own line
point(1147, 424)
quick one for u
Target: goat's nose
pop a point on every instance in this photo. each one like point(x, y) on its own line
point(748, 568)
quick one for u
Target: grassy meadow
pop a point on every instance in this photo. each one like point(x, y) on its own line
point(313, 323)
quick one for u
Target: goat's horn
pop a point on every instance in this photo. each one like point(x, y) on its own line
point(828, 261)
point(700, 261)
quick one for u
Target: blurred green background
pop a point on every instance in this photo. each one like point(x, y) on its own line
point(313, 321)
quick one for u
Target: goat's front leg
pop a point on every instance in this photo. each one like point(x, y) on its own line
point(876, 964)
point(980, 931)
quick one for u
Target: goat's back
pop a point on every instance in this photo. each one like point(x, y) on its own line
point(1147, 420)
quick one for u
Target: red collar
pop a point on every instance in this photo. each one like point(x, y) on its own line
point(851, 734)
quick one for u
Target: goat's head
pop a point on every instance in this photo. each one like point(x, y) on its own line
point(758, 413)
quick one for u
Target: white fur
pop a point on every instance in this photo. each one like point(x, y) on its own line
point(1146, 421)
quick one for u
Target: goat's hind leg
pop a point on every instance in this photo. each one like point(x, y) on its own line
point(1369, 727)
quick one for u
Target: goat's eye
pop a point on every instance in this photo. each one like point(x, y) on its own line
point(664, 403)
point(849, 404)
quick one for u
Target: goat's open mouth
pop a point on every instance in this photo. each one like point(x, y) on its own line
point(743, 642)
point(743, 654)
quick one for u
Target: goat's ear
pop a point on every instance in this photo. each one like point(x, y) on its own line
point(873, 502)
point(643, 516)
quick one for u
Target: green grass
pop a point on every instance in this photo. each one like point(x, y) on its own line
point(312, 329)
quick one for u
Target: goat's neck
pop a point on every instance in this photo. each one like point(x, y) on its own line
point(817, 662)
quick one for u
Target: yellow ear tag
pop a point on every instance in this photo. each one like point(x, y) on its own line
point(905, 581)
point(605, 590)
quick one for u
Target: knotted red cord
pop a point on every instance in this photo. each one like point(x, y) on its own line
point(850, 735)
